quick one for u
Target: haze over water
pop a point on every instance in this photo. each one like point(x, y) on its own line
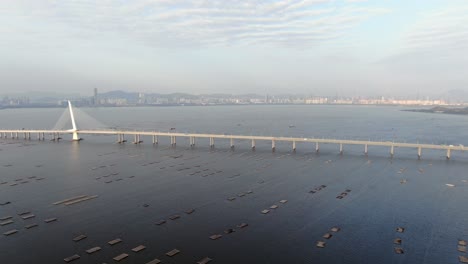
point(384, 193)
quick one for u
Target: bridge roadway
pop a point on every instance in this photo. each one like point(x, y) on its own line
point(26, 134)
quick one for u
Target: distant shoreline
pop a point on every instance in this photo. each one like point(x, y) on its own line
point(201, 105)
point(441, 110)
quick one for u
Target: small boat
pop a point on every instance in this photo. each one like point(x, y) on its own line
point(399, 250)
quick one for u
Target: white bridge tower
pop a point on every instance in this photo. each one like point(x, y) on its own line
point(74, 130)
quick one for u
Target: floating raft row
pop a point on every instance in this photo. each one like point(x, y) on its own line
point(6, 217)
point(154, 261)
point(5, 203)
point(120, 257)
point(93, 250)
point(174, 217)
point(50, 220)
point(23, 213)
point(71, 258)
point(266, 211)
point(229, 231)
point(31, 226)
point(25, 217)
point(320, 244)
point(69, 199)
point(283, 201)
point(242, 225)
point(6, 222)
point(190, 211)
point(273, 206)
point(114, 242)
point(204, 260)
point(138, 248)
point(80, 237)
point(461, 249)
point(76, 199)
point(11, 232)
point(214, 237)
point(160, 222)
point(173, 252)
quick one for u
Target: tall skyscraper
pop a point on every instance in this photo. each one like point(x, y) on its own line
point(95, 99)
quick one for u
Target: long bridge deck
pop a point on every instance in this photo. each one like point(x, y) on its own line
point(26, 134)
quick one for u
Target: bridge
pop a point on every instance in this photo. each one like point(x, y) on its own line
point(120, 134)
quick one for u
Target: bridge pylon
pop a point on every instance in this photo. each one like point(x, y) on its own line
point(74, 130)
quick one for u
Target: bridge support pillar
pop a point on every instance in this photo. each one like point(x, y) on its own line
point(135, 139)
point(419, 153)
point(121, 138)
point(192, 141)
point(253, 144)
point(273, 145)
point(365, 149)
point(75, 137)
point(232, 143)
point(211, 142)
point(173, 141)
point(448, 154)
point(25, 135)
point(392, 151)
point(294, 146)
point(155, 140)
point(16, 135)
point(317, 147)
point(341, 148)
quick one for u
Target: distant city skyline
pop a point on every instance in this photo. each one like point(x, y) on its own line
point(315, 47)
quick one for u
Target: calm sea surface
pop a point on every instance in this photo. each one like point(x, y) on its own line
point(139, 185)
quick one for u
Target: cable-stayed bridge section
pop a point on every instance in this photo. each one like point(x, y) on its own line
point(55, 134)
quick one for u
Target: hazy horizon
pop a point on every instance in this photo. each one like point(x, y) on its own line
point(320, 47)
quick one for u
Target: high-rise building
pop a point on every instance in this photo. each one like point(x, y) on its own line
point(95, 99)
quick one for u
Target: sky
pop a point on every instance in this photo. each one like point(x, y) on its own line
point(314, 47)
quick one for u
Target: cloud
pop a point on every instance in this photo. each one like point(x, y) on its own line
point(443, 31)
point(197, 22)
